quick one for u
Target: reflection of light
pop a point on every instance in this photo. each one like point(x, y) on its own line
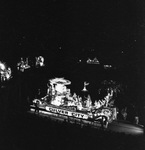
point(130, 129)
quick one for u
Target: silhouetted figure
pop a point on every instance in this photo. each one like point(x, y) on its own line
point(124, 113)
point(104, 122)
point(38, 94)
point(136, 119)
point(36, 104)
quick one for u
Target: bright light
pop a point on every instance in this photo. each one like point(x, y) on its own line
point(23, 65)
point(40, 61)
point(5, 72)
point(60, 81)
point(93, 61)
point(2, 66)
point(107, 66)
point(61, 101)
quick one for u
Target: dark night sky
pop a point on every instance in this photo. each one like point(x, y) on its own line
point(110, 28)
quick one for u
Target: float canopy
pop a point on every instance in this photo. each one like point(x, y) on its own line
point(60, 81)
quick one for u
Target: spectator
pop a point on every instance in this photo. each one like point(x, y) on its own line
point(124, 113)
point(136, 119)
point(36, 104)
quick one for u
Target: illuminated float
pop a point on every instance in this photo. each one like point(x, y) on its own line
point(59, 100)
point(23, 65)
point(27, 63)
point(5, 72)
point(39, 61)
point(93, 61)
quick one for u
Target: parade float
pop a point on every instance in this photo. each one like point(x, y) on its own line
point(27, 63)
point(23, 65)
point(39, 61)
point(5, 72)
point(59, 100)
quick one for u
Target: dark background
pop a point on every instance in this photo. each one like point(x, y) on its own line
point(111, 30)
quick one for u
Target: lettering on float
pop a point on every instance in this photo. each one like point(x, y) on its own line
point(65, 112)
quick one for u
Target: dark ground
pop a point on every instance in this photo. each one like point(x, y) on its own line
point(23, 131)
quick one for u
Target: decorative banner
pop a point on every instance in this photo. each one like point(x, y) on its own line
point(110, 113)
point(67, 113)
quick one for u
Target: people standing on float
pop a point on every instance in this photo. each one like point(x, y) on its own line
point(49, 92)
point(75, 97)
point(89, 102)
point(79, 106)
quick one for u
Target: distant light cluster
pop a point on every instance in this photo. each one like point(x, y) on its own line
point(94, 61)
point(5, 72)
point(107, 66)
point(24, 64)
point(40, 61)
